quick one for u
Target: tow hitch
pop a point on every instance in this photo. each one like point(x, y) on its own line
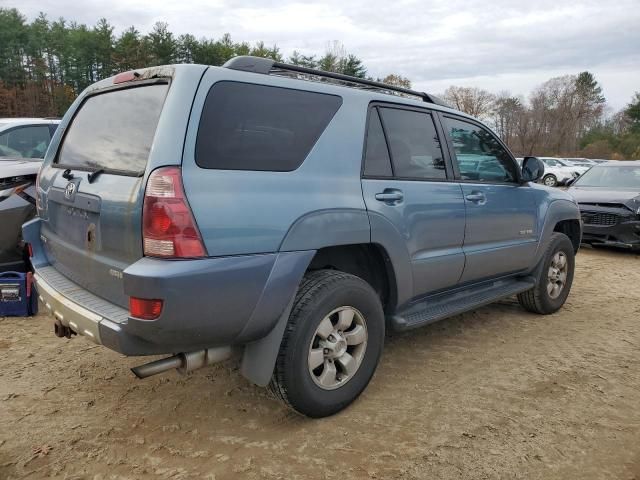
point(61, 330)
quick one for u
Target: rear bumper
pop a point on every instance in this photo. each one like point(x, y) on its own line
point(206, 303)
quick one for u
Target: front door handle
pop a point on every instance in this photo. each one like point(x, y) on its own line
point(390, 196)
point(476, 197)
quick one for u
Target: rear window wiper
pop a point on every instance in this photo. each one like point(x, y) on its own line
point(93, 175)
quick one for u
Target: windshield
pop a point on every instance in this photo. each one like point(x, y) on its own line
point(114, 130)
point(553, 162)
point(618, 177)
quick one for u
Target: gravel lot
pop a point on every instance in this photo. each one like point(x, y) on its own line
point(496, 393)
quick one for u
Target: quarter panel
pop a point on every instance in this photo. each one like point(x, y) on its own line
point(241, 212)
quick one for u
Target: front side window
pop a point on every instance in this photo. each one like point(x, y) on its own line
point(479, 155)
point(25, 142)
point(256, 127)
point(414, 144)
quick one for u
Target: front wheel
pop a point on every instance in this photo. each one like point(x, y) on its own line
point(332, 344)
point(554, 277)
point(550, 180)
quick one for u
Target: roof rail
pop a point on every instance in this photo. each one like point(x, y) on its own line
point(265, 66)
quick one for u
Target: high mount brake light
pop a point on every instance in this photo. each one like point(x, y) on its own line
point(168, 227)
point(125, 77)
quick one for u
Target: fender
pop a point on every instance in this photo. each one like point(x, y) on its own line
point(557, 211)
point(322, 228)
point(385, 234)
point(327, 228)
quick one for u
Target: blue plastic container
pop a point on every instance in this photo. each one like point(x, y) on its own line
point(18, 297)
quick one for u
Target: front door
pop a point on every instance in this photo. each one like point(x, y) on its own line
point(407, 181)
point(500, 233)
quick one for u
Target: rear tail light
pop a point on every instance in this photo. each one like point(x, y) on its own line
point(168, 227)
point(145, 309)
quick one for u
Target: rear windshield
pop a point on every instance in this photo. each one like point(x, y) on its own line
point(255, 127)
point(114, 130)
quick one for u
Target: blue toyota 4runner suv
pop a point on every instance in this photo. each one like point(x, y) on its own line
point(290, 214)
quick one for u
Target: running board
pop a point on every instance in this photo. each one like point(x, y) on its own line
point(444, 305)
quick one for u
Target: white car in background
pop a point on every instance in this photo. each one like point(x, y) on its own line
point(558, 171)
point(26, 137)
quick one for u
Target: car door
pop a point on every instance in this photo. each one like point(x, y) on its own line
point(500, 231)
point(406, 180)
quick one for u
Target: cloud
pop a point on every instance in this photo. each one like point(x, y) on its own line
point(497, 45)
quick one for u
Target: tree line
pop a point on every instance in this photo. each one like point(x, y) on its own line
point(45, 64)
point(564, 117)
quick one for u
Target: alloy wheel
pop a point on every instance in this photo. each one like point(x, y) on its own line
point(337, 348)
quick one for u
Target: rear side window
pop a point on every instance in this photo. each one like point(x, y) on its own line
point(256, 127)
point(377, 162)
point(415, 147)
point(114, 130)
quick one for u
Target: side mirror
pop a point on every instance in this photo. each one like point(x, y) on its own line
point(532, 169)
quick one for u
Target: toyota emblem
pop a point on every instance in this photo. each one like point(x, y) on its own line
point(69, 190)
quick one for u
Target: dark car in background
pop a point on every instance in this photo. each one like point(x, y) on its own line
point(609, 199)
point(23, 143)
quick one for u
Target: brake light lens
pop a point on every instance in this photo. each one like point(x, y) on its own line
point(145, 309)
point(168, 227)
point(125, 77)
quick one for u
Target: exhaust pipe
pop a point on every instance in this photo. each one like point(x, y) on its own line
point(183, 362)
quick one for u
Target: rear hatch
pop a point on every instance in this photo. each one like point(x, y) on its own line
point(92, 191)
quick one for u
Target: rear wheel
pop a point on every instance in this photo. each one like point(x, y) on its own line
point(550, 180)
point(554, 277)
point(332, 344)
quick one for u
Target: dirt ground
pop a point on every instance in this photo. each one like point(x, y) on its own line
point(496, 393)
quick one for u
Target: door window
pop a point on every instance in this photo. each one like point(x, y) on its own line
point(479, 154)
point(27, 142)
point(414, 144)
point(377, 162)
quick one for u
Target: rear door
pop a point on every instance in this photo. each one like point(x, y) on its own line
point(92, 191)
point(406, 179)
point(500, 233)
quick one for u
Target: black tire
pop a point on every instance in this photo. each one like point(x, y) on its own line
point(320, 293)
point(553, 181)
point(538, 299)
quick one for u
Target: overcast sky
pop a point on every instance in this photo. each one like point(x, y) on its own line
point(497, 45)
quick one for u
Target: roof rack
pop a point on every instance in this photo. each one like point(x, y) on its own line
point(266, 66)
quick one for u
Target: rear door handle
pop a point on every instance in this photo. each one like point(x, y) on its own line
point(390, 196)
point(476, 197)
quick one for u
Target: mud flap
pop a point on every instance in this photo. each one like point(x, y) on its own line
point(259, 357)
